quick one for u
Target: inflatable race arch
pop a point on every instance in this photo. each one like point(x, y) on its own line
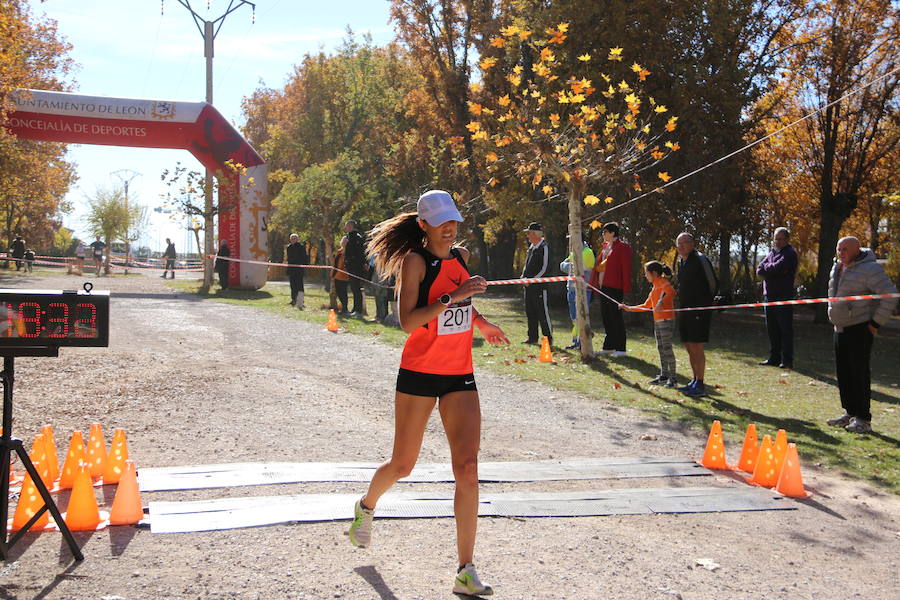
point(194, 126)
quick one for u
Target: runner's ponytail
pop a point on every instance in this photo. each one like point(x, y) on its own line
point(391, 240)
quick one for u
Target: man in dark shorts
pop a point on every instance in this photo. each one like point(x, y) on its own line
point(170, 254)
point(97, 249)
point(696, 287)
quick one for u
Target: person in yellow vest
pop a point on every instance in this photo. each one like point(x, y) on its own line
point(568, 267)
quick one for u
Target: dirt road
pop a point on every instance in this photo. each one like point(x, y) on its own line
point(202, 382)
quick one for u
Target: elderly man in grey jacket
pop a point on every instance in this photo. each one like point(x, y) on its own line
point(856, 273)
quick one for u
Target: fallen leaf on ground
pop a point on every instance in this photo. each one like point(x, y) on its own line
point(783, 381)
point(648, 437)
point(617, 385)
point(376, 332)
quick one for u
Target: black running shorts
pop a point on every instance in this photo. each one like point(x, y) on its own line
point(694, 326)
point(433, 386)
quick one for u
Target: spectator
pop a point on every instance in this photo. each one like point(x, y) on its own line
point(29, 260)
point(568, 267)
point(296, 255)
point(356, 265)
point(383, 292)
point(662, 302)
point(778, 270)
point(856, 324)
point(697, 286)
point(97, 249)
point(80, 253)
point(613, 279)
point(222, 264)
point(536, 261)
point(340, 277)
point(17, 251)
point(170, 256)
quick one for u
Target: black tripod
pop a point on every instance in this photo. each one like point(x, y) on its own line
point(9, 444)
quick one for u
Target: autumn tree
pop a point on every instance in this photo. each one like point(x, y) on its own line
point(574, 134)
point(34, 176)
point(849, 79)
point(111, 217)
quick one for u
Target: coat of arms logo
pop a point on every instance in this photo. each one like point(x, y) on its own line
point(163, 110)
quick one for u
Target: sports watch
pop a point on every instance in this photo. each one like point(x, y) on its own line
point(445, 299)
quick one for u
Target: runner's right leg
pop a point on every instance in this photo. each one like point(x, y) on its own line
point(411, 415)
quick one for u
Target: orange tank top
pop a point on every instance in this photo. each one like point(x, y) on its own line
point(443, 346)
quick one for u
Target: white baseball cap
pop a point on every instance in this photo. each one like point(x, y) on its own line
point(437, 207)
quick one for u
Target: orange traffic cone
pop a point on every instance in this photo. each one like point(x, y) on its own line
point(332, 321)
point(82, 513)
point(126, 506)
point(779, 449)
point(749, 451)
point(30, 502)
point(765, 474)
point(714, 455)
point(38, 456)
point(96, 451)
point(790, 482)
point(115, 462)
point(546, 354)
point(73, 459)
point(52, 459)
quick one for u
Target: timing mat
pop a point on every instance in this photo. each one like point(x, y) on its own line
point(232, 513)
point(243, 474)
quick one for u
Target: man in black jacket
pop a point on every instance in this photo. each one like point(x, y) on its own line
point(536, 262)
point(355, 263)
point(222, 264)
point(296, 255)
point(170, 256)
point(17, 249)
point(697, 285)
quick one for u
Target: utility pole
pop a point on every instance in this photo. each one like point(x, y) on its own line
point(209, 30)
point(125, 176)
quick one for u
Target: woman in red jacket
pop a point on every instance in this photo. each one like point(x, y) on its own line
point(612, 276)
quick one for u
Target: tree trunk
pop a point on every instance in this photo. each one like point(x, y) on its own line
point(836, 208)
point(725, 286)
point(582, 316)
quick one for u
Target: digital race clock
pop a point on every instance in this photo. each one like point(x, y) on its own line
point(54, 317)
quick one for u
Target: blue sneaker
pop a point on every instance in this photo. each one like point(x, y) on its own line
point(686, 388)
point(698, 390)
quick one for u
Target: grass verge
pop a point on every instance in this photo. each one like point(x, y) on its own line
point(742, 392)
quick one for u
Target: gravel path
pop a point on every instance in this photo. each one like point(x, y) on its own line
point(203, 382)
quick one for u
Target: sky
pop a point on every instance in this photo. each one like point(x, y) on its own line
point(127, 48)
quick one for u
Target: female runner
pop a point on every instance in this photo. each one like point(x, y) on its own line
point(436, 309)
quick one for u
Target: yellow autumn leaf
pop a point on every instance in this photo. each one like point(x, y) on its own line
point(660, 109)
point(547, 55)
point(498, 42)
point(475, 108)
point(473, 126)
point(575, 98)
point(642, 74)
point(463, 163)
point(675, 147)
point(487, 63)
point(554, 119)
point(563, 27)
point(632, 99)
point(523, 34)
point(517, 69)
point(492, 181)
point(475, 87)
point(614, 54)
point(509, 31)
point(591, 200)
point(547, 190)
point(491, 157)
point(656, 154)
point(664, 175)
point(636, 67)
point(624, 87)
point(670, 126)
point(503, 100)
point(514, 79)
point(596, 224)
point(608, 200)
point(480, 135)
point(645, 129)
point(584, 57)
point(566, 176)
point(557, 37)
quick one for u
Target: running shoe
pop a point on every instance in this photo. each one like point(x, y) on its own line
point(858, 425)
point(841, 421)
point(467, 582)
point(658, 380)
point(686, 388)
point(698, 390)
point(361, 529)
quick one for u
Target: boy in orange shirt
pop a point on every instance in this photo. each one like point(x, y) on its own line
point(662, 302)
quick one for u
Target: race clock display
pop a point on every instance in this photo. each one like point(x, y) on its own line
point(54, 317)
